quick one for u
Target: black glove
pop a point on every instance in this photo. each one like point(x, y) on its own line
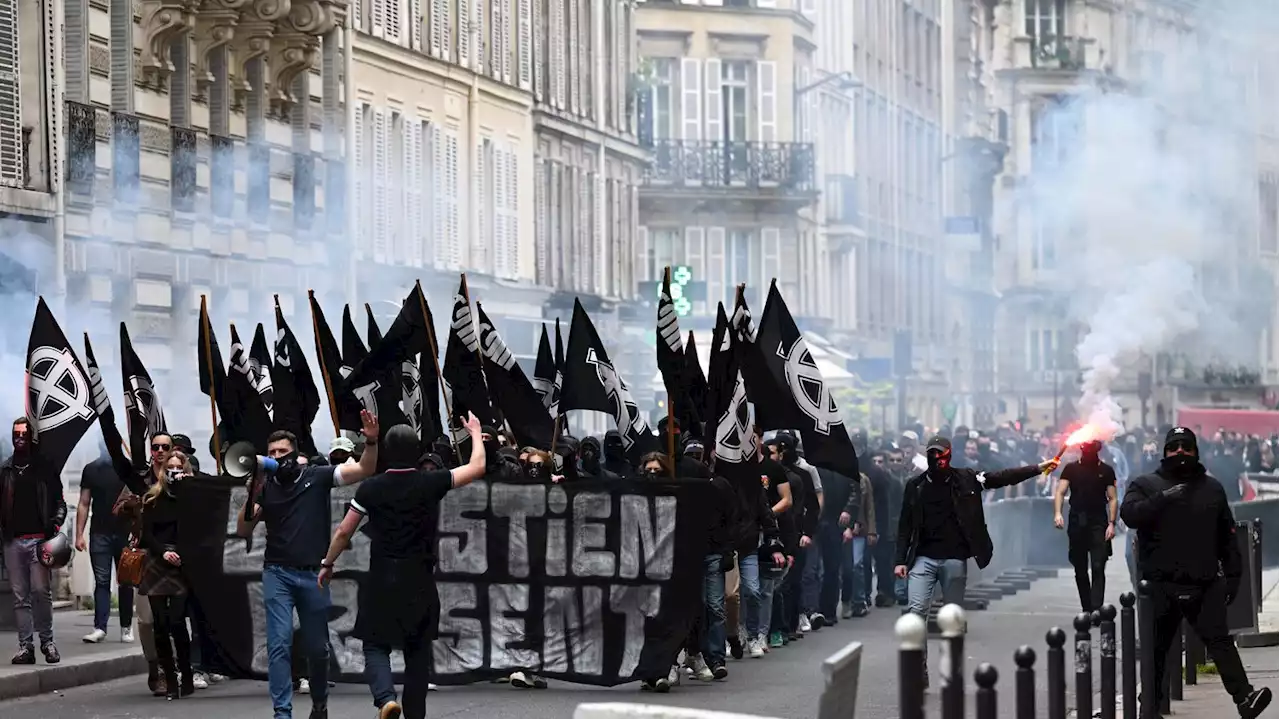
point(1176, 492)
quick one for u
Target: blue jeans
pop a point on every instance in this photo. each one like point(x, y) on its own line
point(858, 550)
point(104, 554)
point(417, 673)
point(713, 599)
point(285, 589)
point(749, 593)
point(770, 582)
point(32, 594)
point(926, 575)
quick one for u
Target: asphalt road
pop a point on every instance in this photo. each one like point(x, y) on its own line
point(786, 683)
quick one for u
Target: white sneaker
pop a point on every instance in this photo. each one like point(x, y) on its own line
point(126, 635)
point(199, 681)
point(804, 625)
point(95, 636)
point(432, 687)
point(215, 678)
point(304, 687)
point(700, 670)
point(754, 649)
point(673, 676)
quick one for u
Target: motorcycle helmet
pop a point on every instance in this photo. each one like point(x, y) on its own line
point(55, 552)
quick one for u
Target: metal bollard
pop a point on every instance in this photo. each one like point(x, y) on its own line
point(1173, 669)
point(985, 699)
point(951, 621)
point(1128, 658)
point(1146, 653)
point(1057, 674)
point(911, 631)
point(1084, 665)
point(1107, 661)
point(1025, 682)
point(1195, 657)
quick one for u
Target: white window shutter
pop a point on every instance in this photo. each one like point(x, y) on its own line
point(694, 237)
point(640, 268)
point(415, 25)
point(537, 46)
point(557, 55)
point(506, 41)
point(715, 268)
point(691, 98)
point(540, 224)
point(575, 58)
point(767, 100)
point(379, 13)
point(771, 242)
point(513, 208)
point(524, 48)
point(711, 76)
point(586, 252)
point(436, 33)
point(439, 197)
point(495, 39)
point(598, 209)
point(359, 166)
point(479, 206)
point(381, 204)
point(413, 184)
point(393, 20)
point(465, 20)
point(480, 45)
point(449, 251)
point(357, 15)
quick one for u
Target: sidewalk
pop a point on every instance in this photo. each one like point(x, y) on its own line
point(81, 663)
point(1208, 699)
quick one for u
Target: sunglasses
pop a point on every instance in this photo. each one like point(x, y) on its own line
point(161, 447)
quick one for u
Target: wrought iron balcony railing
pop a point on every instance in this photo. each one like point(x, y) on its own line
point(126, 158)
point(786, 166)
point(82, 148)
point(182, 161)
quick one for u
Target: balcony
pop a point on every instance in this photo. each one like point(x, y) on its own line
point(685, 171)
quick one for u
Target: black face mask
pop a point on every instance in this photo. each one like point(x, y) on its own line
point(652, 473)
point(288, 469)
point(174, 475)
point(1179, 463)
point(938, 460)
point(535, 471)
point(590, 459)
point(491, 455)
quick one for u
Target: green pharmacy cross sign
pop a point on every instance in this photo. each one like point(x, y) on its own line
point(681, 276)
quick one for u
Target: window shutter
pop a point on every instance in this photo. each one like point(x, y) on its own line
point(506, 40)
point(640, 268)
point(495, 39)
point(538, 46)
point(694, 237)
point(393, 21)
point(767, 99)
point(438, 19)
point(513, 214)
point(691, 98)
point(413, 182)
point(480, 45)
point(358, 18)
point(465, 19)
point(602, 253)
point(715, 268)
point(575, 58)
point(541, 224)
point(359, 167)
point(497, 210)
point(555, 221)
point(381, 205)
point(451, 255)
point(415, 24)
point(806, 106)
point(480, 197)
point(711, 76)
point(558, 54)
point(379, 14)
point(439, 197)
point(524, 48)
point(585, 271)
point(771, 243)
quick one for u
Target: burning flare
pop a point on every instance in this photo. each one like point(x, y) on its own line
point(1082, 434)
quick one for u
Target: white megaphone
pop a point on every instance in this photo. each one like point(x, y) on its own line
point(242, 459)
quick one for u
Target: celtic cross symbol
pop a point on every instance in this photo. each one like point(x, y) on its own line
point(58, 391)
point(141, 401)
point(808, 387)
point(282, 349)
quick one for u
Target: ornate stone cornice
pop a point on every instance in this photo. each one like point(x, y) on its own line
point(162, 22)
point(256, 27)
point(296, 46)
point(215, 27)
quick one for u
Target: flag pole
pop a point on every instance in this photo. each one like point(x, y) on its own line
point(435, 361)
point(213, 391)
point(671, 401)
point(324, 370)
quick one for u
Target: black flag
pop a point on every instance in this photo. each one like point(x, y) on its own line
point(695, 379)
point(546, 376)
point(795, 371)
point(213, 374)
point(463, 374)
point(591, 382)
point(344, 407)
point(60, 405)
point(115, 444)
point(260, 369)
point(511, 390)
point(142, 410)
point(671, 362)
point(353, 348)
point(736, 458)
point(556, 411)
point(371, 327)
point(296, 399)
point(245, 417)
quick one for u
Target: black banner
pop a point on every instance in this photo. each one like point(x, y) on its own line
point(592, 582)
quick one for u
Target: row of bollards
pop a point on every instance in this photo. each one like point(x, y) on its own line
point(911, 631)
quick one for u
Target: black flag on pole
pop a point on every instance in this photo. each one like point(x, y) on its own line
point(592, 382)
point(545, 375)
point(794, 370)
point(695, 378)
point(260, 369)
point(60, 404)
point(143, 413)
point(463, 374)
point(116, 448)
point(378, 389)
point(371, 330)
point(671, 363)
point(296, 399)
point(346, 408)
point(245, 418)
point(511, 390)
point(735, 451)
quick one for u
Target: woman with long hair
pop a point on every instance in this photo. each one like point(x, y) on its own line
point(163, 582)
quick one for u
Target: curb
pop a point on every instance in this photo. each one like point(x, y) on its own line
point(1258, 639)
point(66, 676)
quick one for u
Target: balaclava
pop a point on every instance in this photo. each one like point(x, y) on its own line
point(614, 450)
point(938, 453)
point(1089, 452)
point(589, 452)
point(491, 446)
point(1183, 463)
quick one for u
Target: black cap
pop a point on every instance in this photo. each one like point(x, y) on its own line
point(939, 443)
point(1180, 435)
point(182, 441)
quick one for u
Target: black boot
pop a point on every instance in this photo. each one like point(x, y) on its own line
point(172, 686)
point(153, 676)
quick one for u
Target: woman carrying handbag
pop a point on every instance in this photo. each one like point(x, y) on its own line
point(163, 581)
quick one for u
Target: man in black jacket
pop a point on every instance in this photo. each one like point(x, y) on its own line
point(1092, 521)
point(942, 524)
point(32, 510)
point(1187, 550)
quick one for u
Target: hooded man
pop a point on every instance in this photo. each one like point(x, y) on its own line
point(32, 510)
point(591, 457)
point(1092, 523)
point(615, 454)
point(942, 525)
point(1188, 551)
point(497, 465)
point(402, 557)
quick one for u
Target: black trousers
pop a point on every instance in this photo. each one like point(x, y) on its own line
point(1088, 550)
point(882, 554)
point(791, 588)
point(169, 621)
point(1205, 609)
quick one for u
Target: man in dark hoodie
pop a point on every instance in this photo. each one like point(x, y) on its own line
point(1188, 551)
point(615, 455)
point(497, 466)
point(591, 458)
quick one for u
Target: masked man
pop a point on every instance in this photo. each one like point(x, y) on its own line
point(942, 525)
point(294, 503)
point(32, 510)
point(1092, 523)
point(1188, 551)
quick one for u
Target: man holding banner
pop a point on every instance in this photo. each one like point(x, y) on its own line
point(402, 506)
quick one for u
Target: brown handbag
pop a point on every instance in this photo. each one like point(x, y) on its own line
point(129, 569)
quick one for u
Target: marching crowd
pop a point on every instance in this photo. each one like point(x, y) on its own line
point(806, 549)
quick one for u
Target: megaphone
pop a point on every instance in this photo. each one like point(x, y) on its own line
point(243, 458)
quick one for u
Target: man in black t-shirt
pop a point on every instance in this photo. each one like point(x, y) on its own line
point(402, 557)
point(100, 487)
point(294, 504)
point(1092, 523)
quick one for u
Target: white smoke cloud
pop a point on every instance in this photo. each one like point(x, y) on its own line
point(1153, 203)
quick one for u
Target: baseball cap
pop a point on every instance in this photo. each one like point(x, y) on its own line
point(938, 443)
point(342, 444)
point(1180, 436)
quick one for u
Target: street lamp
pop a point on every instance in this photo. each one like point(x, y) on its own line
point(843, 80)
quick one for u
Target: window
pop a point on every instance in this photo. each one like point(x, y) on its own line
point(733, 93)
point(1045, 21)
point(664, 93)
point(1046, 350)
point(742, 261)
point(1054, 126)
point(1043, 242)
